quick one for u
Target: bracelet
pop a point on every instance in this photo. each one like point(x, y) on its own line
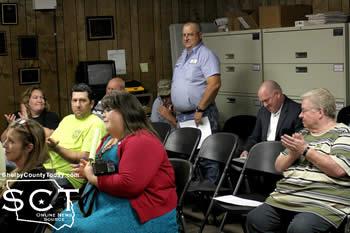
point(305, 151)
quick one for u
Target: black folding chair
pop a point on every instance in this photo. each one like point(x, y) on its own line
point(261, 159)
point(183, 142)
point(217, 147)
point(242, 126)
point(162, 128)
point(183, 172)
point(344, 115)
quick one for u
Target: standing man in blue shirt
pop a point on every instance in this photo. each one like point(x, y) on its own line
point(196, 82)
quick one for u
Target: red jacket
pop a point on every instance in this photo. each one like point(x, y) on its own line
point(145, 176)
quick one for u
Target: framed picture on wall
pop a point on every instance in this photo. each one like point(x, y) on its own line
point(28, 47)
point(9, 13)
point(3, 46)
point(100, 28)
point(29, 76)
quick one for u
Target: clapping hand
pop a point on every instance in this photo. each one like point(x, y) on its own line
point(23, 114)
point(10, 118)
point(79, 169)
point(295, 144)
point(84, 170)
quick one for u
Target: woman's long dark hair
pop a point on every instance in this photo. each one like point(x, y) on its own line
point(131, 109)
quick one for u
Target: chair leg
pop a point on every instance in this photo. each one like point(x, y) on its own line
point(206, 216)
point(223, 222)
point(183, 223)
point(244, 225)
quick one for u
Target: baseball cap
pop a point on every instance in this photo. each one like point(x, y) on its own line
point(164, 86)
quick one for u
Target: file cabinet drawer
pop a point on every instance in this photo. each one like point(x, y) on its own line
point(241, 78)
point(325, 45)
point(230, 104)
point(235, 47)
point(296, 79)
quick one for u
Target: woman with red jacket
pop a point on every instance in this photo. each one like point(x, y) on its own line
point(141, 195)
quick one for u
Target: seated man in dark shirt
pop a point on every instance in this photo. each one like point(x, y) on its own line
point(277, 116)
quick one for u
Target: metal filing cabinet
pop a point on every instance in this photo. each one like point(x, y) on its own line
point(302, 58)
point(240, 55)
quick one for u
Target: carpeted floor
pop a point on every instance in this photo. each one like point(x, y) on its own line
point(194, 218)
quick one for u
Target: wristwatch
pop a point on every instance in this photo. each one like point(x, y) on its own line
point(199, 109)
point(305, 151)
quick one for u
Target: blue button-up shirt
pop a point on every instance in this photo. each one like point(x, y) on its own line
point(190, 77)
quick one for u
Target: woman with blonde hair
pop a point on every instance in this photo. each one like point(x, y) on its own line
point(35, 106)
point(25, 145)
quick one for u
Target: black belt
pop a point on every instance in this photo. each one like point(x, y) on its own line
point(188, 112)
point(193, 111)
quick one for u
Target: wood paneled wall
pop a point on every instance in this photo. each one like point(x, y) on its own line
point(141, 28)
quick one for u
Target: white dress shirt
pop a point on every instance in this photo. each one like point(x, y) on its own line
point(271, 132)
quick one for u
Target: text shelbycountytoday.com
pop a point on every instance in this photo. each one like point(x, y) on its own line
point(37, 194)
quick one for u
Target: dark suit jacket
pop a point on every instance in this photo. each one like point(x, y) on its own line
point(289, 120)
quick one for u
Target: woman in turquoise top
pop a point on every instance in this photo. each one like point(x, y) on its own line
point(111, 213)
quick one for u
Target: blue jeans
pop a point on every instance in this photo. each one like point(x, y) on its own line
point(210, 170)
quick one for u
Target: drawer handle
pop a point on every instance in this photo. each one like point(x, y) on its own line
point(301, 55)
point(230, 69)
point(230, 56)
point(231, 100)
point(301, 69)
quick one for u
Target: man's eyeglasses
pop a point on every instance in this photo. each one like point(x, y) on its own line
point(189, 34)
point(309, 109)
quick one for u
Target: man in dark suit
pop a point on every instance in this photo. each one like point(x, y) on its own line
point(279, 115)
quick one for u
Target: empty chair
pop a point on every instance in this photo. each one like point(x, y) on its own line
point(162, 128)
point(183, 172)
point(183, 142)
point(261, 158)
point(344, 115)
point(242, 126)
point(217, 147)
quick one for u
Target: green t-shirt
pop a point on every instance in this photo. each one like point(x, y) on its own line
point(76, 135)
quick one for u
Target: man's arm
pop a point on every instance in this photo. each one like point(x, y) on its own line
point(209, 95)
point(325, 163)
point(212, 89)
point(69, 155)
point(168, 115)
point(297, 147)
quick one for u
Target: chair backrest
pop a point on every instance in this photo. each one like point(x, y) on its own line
point(218, 147)
point(262, 156)
point(241, 125)
point(344, 115)
point(162, 128)
point(183, 171)
point(183, 141)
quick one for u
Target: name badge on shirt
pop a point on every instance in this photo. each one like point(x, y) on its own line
point(193, 61)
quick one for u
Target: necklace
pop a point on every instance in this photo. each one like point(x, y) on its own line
point(107, 146)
